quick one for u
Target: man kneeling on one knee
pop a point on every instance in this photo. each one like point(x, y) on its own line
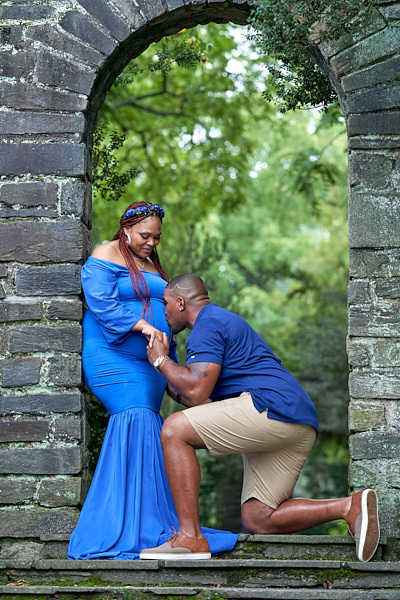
point(240, 399)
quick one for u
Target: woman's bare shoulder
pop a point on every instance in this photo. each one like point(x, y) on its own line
point(108, 251)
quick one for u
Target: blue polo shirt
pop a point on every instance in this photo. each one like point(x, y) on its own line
point(247, 365)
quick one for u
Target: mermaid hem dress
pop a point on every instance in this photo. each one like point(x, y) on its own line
point(129, 506)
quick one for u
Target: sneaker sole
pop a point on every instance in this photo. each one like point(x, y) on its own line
point(186, 556)
point(369, 510)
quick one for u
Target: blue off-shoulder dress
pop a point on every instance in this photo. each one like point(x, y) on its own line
point(129, 506)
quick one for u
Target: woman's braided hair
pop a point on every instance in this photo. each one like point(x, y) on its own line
point(133, 214)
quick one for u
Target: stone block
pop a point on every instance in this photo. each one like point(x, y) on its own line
point(389, 512)
point(65, 371)
point(374, 220)
point(372, 445)
point(60, 491)
point(366, 415)
point(366, 262)
point(16, 490)
point(374, 384)
point(73, 199)
point(29, 194)
point(383, 72)
point(58, 402)
point(15, 62)
point(394, 478)
point(23, 431)
point(3, 341)
point(43, 159)
point(374, 142)
point(375, 321)
point(19, 311)
point(68, 429)
point(370, 171)
point(359, 31)
point(17, 372)
point(11, 34)
point(391, 12)
point(385, 352)
point(358, 292)
point(40, 241)
point(63, 310)
point(33, 522)
point(363, 474)
point(3, 270)
point(388, 289)
point(393, 413)
point(85, 30)
point(131, 12)
point(63, 73)
point(42, 338)
point(26, 96)
point(48, 35)
point(63, 279)
point(376, 99)
point(173, 4)
point(6, 213)
point(382, 44)
point(31, 551)
point(358, 353)
point(40, 461)
point(26, 12)
point(381, 123)
point(23, 123)
point(2, 292)
point(102, 13)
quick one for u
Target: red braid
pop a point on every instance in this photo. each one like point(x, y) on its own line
point(138, 281)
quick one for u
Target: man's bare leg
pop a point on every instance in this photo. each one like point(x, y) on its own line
point(293, 515)
point(179, 441)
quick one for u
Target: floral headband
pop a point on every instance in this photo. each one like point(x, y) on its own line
point(144, 210)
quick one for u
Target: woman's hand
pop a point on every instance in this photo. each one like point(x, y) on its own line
point(151, 333)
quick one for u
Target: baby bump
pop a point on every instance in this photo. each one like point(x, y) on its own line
point(119, 379)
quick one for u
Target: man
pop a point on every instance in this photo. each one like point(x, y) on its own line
point(240, 399)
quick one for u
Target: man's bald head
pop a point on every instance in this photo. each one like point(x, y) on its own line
point(189, 286)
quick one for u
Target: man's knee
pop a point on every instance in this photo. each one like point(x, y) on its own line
point(173, 428)
point(255, 515)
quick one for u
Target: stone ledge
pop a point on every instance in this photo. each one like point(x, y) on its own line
point(114, 593)
point(213, 563)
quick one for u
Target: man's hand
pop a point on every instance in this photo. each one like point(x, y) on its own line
point(158, 347)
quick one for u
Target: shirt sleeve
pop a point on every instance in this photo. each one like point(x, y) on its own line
point(206, 343)
point(99, 284)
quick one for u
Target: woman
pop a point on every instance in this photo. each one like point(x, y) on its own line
point(129, 506)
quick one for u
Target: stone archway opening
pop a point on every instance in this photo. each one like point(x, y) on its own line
point(59, 62)
point(325, 392)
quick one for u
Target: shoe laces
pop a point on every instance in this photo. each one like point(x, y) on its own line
point(173, 533)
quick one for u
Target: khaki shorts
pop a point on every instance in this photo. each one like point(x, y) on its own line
point(273, 452)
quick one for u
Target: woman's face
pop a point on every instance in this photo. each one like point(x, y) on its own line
point(145, 236)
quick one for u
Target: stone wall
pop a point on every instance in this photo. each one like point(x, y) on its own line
point(58, 59)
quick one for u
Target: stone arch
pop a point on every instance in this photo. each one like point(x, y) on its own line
point(57, 62)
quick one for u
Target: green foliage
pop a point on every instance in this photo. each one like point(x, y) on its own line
point(108, 181)
point(288, 33)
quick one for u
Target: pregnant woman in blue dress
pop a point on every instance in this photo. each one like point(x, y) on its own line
point(129, 506)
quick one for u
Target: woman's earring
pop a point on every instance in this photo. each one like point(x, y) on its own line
point(128, 239)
